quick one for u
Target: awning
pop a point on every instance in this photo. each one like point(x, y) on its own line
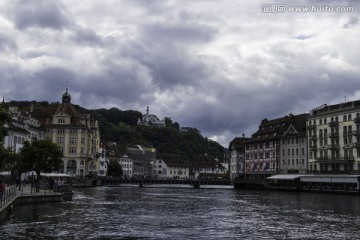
point(55, 175)
point(285, 176)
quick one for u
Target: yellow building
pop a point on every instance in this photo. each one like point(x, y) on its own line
point(76, 134)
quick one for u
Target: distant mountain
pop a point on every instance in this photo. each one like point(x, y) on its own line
point(121, 127)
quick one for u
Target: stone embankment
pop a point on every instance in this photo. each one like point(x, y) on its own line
point(13, 197)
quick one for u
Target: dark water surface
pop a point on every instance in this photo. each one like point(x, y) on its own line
point(186, 213)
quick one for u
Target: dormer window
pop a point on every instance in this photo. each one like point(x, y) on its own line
point(61, 120)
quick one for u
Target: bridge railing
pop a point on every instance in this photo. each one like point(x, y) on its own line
point(8, 195)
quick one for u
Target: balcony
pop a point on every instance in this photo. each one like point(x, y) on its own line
point(322, 136)
point(349, 158)
point(348, 146)
point(313, 138)
point(313, 148)
point(341, 159)
point(356, 133)
point(333, 124)
point(333, 135)
point(309, 127)
point(333, 146)
point(84, 155)
point(322, 159)
point(356, 144)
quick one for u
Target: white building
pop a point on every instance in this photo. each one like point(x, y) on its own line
point(334, 138)
point(22, 127)
point(102, 163)
point(237, 157)
point(293, 146)
point(171, 166)
point(151, 120)
point(206, 167)
point(127, 166)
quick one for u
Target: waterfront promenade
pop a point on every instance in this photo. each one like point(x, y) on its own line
point(27, 194)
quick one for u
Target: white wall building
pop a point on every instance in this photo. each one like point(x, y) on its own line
point(127, 166)
point(334, 138)
point(171, 166)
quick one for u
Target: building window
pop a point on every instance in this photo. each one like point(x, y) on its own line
point(344, 118)
point(72, 140)
point(61, 130)
point(349, 117)
point(60, 140)
point(73, 131)
point(72, 150)
point(61, 120)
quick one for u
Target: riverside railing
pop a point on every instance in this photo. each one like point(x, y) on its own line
point(7, 196)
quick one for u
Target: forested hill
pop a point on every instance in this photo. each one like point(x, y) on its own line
point(121, 127)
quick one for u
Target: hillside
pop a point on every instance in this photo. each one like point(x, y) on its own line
point(121, 127)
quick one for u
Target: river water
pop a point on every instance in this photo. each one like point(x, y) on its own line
point(186, 213)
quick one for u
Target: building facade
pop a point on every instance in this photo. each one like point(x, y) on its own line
point(143, 159)
point(126, 163)
point(21, 127)
point(171, 166)
point(207, 167)
point(334, 138)
point(262, 150)
point(237, 157)
point(76, 134)
point(293, 146)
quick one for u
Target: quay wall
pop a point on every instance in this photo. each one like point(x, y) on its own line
point(31, 199)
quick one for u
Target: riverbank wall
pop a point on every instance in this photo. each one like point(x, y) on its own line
point(17, 198)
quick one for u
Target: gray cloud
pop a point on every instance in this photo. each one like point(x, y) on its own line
point(219, 67)
point(42, 13)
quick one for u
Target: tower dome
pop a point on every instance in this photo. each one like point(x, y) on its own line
point(66, 98)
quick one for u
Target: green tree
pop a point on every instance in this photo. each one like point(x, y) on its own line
point(40, 156)
point(114, 169)
point(4, 116)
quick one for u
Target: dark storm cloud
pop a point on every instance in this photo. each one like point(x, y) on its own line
point(40, 13)
point(221, 68)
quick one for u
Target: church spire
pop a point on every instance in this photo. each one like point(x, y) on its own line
point(147, 110)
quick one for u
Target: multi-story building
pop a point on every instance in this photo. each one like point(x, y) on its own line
point(20, 128)
point(237, 158)
point(262, 150)
point(171, 166)
point(334, 138)
point(126, 163)
point(102, 162)
point(76, 134)
point(207, 167)
point(143, 158)
point(293, 146)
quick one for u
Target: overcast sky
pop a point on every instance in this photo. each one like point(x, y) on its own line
point(218, 65)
